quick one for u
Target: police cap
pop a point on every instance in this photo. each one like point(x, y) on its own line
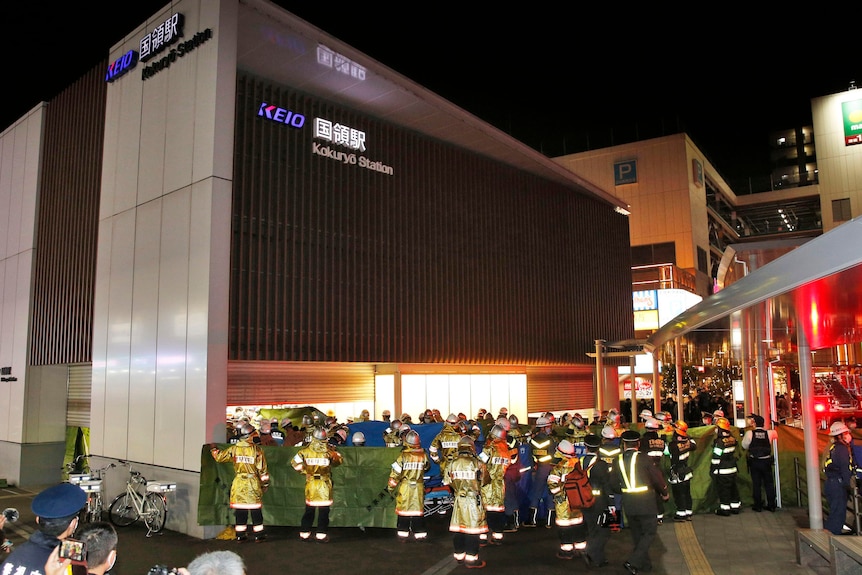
point(630, 436)
point(592, 440)
point(61, 500)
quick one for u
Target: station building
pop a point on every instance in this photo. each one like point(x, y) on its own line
point(236, 208)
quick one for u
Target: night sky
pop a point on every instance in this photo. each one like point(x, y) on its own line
point(561, 81)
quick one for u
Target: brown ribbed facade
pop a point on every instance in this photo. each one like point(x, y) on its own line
point(452, 259)
point(67, 223)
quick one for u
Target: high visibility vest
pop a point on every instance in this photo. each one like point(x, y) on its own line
point(628, 478)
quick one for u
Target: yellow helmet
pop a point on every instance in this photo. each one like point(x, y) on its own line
point(723, 423)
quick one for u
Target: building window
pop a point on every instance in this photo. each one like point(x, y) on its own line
point(651, 254)
point(702, 265)
point(841, 210)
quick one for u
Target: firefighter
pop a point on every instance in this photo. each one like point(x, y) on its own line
point(444, 447)
point(679, 448)
point(575, 432)
point(838, 468)
point(653, 445)
point(498, 456)
point(251, 479)
point(514, 493)
point(392, 434)
point(407, 484)
point(571, 530)
point(316, 461)
point(723, 469)
point(608, 452)
point(466, 475)
point(543, 447)
point(635, 479)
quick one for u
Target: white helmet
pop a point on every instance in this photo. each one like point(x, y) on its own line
point(608, 432)
point(837, 428)
point(358, 438)
point(646, 413)
point(566, 449)
point(652, 423)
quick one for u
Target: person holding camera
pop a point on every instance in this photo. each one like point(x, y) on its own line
point(56, 509)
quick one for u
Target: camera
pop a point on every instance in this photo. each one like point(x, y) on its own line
point(11, 514)
point(73, 550)
point(162, 570)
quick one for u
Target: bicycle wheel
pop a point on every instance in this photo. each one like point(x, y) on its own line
point(155, 512)
point(94, 508)
point(122, 511)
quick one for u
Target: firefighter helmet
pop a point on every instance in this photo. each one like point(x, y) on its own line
point(578, 421)
point(566, 449)
point(652, 423)
point(307, 420)
point(543, 422)
point(412, 439)
point(681, 428)
point(498, 432)
point(319, 433)
point(452, 419)
point(723, 423)
point(245, 430)
point(466, 445)
point(358, 439)
point(608, 432)
point(513, 420)
point(503, 422)
point(838, 427)
point(645, 413)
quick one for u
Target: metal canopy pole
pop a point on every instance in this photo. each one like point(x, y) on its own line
point(809, 431)
point(600, 380)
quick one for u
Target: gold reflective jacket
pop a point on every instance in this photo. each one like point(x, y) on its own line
point(407, 481)
point(252, 476)
point(316, 461)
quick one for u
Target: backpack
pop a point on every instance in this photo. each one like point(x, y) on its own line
point(579, 492)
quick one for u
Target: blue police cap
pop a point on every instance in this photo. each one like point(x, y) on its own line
point(62, 500)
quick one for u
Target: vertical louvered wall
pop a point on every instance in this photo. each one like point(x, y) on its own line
point(453, 259)
point(67, 223)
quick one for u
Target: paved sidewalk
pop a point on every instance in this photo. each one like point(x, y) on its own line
point(745, 544)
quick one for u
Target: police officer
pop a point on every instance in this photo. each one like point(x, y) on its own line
point(444, 446)
point(316, 461)
point(636, 480)
point(723, 468)
point(679, 448)
point(56, 510)
point(276, 432)
point(758, 442)
point(653, 445)
point(466, 475)
point(407, 483)
point(498, 456)
point(517, 441)
point(571, 530)
point(599, 472)
point(251, 479)
point(542, 447)
point(838, 468)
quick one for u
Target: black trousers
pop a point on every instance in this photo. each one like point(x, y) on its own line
point(762, 478)
point(308, 518)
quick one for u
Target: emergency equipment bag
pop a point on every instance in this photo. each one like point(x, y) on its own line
point(579, 492)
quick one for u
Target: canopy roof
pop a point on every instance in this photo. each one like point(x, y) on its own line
point(817, 285)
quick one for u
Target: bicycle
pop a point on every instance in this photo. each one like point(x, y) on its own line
point(151, 505)
point(91, 483)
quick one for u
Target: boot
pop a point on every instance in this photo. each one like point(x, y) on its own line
point(531, 517)
point(550, 522)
